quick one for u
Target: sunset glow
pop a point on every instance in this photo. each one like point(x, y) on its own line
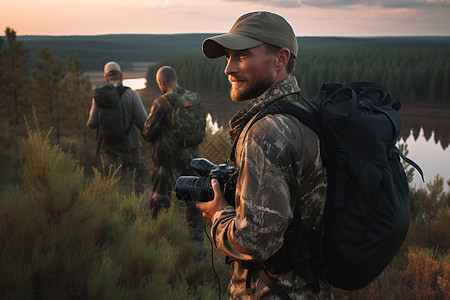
point(308, 17)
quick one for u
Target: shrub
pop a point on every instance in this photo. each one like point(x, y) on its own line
point(425, 276)
point(64, 235)
point(430, 217)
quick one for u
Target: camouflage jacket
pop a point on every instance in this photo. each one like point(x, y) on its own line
point(158, 131)
point(279, 167)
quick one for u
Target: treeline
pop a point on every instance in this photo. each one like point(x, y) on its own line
point(195, 72)
point(55, 91)
point(95, 50)
point(412, 75)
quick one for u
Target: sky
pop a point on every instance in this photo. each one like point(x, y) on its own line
point(307, 17)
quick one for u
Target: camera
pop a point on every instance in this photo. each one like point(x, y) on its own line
point(192, 188)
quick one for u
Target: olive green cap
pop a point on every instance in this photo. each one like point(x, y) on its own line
point(251, 30)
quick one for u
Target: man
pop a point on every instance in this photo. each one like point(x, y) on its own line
point(278, 161)
point(129, 152)
point(170, 158)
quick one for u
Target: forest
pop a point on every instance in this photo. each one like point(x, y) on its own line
point(94, 51)
point(70, 228)
point(416, 69)
point(412, 75)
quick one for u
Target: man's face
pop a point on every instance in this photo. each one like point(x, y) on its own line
point(250, 72)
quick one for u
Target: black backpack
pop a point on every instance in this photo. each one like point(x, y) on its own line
point(367, 210)
point(112, 128)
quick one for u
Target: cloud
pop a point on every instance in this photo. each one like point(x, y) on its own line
point(343, 3)
point(271, 3)
point(382, 3)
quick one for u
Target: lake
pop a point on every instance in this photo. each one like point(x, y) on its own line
point(425, 131)
point(427, 138)
point(135, 83)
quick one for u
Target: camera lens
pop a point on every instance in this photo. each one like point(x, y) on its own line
point(191, 188)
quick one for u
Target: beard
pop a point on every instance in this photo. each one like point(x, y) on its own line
point(238, 94)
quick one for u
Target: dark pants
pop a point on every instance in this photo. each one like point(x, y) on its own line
point(163, 181)
point(133, 165)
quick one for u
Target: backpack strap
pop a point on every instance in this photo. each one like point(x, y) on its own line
point(303, 244)
point(371, 88)
point(309, 118)
point(252, 267)
point(121, 90)
point(274, 287)
point(409, 161)
point(169, 99)
point(341, 157)
point(302, 255)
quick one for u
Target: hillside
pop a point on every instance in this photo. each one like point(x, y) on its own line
point(94, 51)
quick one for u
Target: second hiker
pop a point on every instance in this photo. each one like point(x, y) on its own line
point(175, 127)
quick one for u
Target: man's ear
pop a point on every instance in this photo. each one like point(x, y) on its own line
point(282, 58)
point(160, 82)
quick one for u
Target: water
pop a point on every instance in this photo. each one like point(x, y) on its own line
point(135, 84)
point(430, 156)
point(431, 151)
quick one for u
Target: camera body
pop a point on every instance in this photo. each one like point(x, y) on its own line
point(192, 188)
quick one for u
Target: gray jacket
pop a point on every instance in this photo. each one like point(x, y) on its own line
point(134, 111)
point(279, 167)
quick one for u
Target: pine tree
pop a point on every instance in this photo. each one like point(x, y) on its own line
point(14, 63)
point(47, 81)
point(78, 94)
point(446, 85)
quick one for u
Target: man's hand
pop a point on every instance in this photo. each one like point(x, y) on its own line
point(211, 207)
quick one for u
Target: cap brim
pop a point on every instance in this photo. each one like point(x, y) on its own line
point(214, 47)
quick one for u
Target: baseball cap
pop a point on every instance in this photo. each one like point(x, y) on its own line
point(251, 30)
point(112, 67)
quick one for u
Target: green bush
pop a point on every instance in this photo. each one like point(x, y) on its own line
point(66, 235)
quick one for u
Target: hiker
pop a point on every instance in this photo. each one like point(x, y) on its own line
point(171, 156)
point(127, 152)
point(278, 160)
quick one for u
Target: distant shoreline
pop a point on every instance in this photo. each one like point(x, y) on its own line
point(438, 111)
point(138, 70)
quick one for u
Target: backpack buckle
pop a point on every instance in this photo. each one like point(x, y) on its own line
point(392, 153)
